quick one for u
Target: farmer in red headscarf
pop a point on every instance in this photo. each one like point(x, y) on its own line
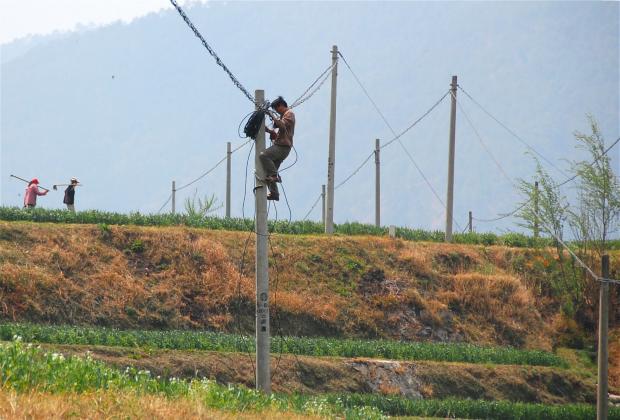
point(32, 191)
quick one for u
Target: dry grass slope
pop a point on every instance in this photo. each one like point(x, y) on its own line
point(137, 277)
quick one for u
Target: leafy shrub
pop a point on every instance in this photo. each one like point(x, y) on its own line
point(136, 246)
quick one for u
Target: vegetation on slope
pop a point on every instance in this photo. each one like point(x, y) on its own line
point(179, 278)
point(24, 368)
point(313, 346)
point(293, 374)
point(247, 225)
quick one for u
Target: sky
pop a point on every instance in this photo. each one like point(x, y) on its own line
point(116, 91)
point(21, 18)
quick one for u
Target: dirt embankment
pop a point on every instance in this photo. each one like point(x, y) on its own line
point(311, 375)
point(132, 277)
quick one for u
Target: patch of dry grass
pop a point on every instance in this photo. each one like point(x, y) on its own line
point(114, 405)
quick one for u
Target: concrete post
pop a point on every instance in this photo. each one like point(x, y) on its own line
point(451, 149)
point(174, 197)
point(602, 396)
point(536, 227)
point(377, 184)
point(331, 159)
point(323, 204)
point(263, 375)
point(228, 175)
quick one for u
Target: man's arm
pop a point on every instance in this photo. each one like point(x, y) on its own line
point(286, 121)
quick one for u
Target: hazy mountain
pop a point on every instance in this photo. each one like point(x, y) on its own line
point(127, 108)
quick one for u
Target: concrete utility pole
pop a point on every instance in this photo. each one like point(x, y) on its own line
point(536, 228)
point(174, 196)
point(450, 201)
point(602, 397)
point(263, 375)
point(377, 184)
point(471, 218)
point(331, 160)
point(323, 204)
point(228, 173)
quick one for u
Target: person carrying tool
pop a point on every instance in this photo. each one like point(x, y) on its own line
point(69, 199)
point(281, 136)
point(32, 191)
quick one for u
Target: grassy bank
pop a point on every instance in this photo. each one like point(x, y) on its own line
point(215, 341)
point(24, 368)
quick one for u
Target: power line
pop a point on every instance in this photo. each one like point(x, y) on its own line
point(591, 163)
point(313, 206)
point(431, 109)
point(566, 181)
point(540, 219)
point(305, 96)
point(579, 261)
point(515, 135)
point(211, 51)
point(355, 171)
point(164, 205)
point(484, 146)
point(212, 168)
point(397, 136)
point(374, 104)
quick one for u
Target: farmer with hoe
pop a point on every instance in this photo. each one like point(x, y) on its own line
point(69, 199)
point(32, 191)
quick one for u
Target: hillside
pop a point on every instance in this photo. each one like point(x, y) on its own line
point(132, 277)
point(433, 295)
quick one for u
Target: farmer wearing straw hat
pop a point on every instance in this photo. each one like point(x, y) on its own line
point(69, 199)
point(32, 191)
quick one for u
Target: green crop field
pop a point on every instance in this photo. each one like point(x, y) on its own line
point(237, 224)
point(215, 341)
point(24, 367)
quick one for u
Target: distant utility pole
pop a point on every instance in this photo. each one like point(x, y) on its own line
point(471, 219)
point(450, 200)
point(377, 184)
point(536, 227)
point(323, 204)
point(228, 173)
point(602, 397)
point(174, 196)
point(331, 159)
point(263, 375)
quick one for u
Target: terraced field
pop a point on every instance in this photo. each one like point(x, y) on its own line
point(364, 327)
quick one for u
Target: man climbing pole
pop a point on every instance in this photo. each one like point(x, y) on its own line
point(281, 136)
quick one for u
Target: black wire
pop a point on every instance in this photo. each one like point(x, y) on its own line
point(245, 183)
point(243, 123)
point(566, 181)
point(292, 164)
point(290, 213)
